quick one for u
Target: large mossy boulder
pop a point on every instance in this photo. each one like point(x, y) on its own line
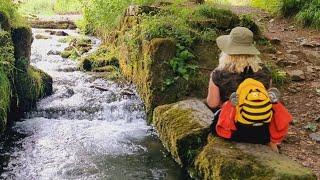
point(183, 128)
point(22, 40)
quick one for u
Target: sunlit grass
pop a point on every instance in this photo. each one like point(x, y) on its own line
point(49, 7)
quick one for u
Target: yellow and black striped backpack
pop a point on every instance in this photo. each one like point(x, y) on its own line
point(253, 103)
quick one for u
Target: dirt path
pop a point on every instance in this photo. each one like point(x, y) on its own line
point(298, 53)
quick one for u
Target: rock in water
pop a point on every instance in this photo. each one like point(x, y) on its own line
point(183, 128)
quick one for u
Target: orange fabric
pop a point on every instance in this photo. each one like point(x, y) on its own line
point(278, 127)
point(226, 124)
point(280, 123)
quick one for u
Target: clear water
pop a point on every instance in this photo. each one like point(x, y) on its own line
point(81, 132)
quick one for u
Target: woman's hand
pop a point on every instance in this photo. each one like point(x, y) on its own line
point(274, 147)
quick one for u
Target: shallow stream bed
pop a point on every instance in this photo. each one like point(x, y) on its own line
point(81, 132)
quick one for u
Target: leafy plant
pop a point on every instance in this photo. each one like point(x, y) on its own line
point(311, 126)
point(279, 77)
point(181, 63)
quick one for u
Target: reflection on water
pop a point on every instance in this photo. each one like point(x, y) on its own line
point(81, 132)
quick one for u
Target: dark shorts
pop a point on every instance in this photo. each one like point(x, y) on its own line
point(244, 133)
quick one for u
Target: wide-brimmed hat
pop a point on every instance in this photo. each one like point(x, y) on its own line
point(239, 41)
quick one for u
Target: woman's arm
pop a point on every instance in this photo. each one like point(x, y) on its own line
point(213, 98)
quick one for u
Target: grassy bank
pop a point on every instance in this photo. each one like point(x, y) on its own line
point(49, 7)
point(305, 12)
point(21, 85)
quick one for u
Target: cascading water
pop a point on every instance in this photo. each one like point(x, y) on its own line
point(81, 132)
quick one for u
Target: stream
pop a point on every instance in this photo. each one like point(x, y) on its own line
point(81, 132)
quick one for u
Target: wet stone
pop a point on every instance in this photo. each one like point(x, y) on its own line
point(40, 36)
point(53, 52)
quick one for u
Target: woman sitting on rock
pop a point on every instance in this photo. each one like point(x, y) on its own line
point(240, 86)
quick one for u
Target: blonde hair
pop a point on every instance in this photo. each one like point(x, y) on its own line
point(237, 63)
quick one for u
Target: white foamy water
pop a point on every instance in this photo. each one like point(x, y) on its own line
point(81, 132)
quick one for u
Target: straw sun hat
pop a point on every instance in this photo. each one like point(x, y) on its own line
point(239, 41)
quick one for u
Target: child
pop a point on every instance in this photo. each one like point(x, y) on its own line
point(249, 112)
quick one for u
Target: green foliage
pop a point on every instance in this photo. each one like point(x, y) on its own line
point(6, 51)
point(67, 6)
point(46, 7)
point(310, 15)
point(101, 16)
point(292, 7)
point(279, 77)
point(11, 10)
point(5, 95)
point(167, 26)
point(182, 65)
point(268, 5)
point(311, 127)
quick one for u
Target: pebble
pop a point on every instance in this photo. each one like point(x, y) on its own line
point(315, 136)
point(310, 69)
point(297, 75)
point(275, 41)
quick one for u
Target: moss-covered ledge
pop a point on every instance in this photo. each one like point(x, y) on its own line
point(183, 127)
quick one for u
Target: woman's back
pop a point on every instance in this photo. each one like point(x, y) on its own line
point(228, 82)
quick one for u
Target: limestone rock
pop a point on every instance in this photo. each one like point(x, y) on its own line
point(40, 36)
point(220, 159)
point(297, 75)
point(53, 24)
point(183, 128)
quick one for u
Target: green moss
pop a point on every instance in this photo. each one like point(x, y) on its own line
point(181, 129)
point(99, 59)
point(5, 95)
point(6, 51)
point(30, 84)
point(221, 159)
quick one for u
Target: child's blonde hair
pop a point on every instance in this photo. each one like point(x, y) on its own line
point(237, 63)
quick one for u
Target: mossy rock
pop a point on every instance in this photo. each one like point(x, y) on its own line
point(221, 159)
point(99, 60)
point(183, 128)
point(22, 40)
point(66, 54)
point(53, 24)
point(4, 21)
point(30, 85)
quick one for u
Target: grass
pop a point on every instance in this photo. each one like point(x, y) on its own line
point(309, 16)
point(10, 10)
point(50, 7)
point(101, 16)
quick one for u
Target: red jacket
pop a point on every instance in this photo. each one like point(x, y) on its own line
point(278, 127)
